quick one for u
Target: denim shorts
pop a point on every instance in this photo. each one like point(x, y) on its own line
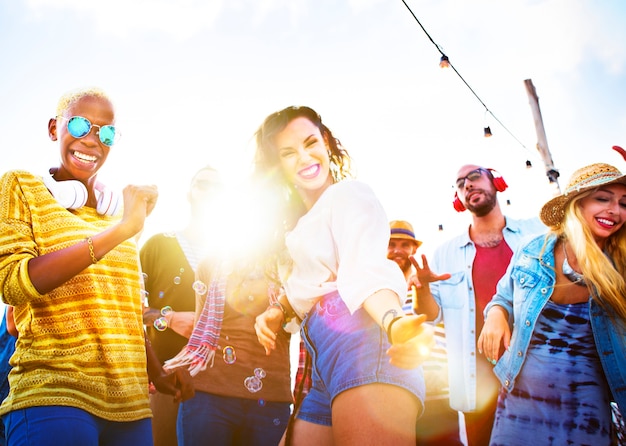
point(347, 351)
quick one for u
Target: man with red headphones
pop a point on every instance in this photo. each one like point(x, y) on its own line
point(473, 263)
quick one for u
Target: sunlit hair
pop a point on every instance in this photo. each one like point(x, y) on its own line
point(207, 168)
point(267, 160)
point(604, 276)
point(71, 97)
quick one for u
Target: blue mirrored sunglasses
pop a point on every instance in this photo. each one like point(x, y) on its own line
point(79, 127)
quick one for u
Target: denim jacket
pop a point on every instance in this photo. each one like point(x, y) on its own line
point(524, 291)
point(457, 303)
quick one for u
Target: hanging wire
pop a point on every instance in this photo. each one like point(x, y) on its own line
point(443, 55)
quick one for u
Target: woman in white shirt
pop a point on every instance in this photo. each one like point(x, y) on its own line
point(367, 386)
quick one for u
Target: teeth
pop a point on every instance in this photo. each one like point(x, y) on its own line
point(606, 222)
point(85, 157)
point(309, 170)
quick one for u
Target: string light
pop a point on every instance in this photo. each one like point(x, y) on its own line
point(487, 129)
point(445, 63)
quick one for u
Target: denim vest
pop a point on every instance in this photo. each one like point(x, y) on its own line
point(524, 291)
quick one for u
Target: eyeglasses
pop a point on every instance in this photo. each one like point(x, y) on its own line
point(472, 176)
point(79, 127)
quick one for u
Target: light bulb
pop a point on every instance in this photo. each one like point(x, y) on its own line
point(444, 62)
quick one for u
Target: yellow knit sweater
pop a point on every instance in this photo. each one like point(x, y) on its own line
point(81, 345)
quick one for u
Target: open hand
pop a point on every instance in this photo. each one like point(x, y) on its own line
point(412, 341)
point(424, 275)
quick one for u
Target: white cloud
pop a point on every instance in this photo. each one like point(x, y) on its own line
point(180, 19)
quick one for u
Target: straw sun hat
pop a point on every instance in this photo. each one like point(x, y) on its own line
point(403, 229)
point(585, 178)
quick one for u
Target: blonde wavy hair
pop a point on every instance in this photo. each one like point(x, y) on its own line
point(604, 271)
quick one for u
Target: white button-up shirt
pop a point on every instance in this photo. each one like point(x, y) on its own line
point(340, 244)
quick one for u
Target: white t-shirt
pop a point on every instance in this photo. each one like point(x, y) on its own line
point(341, 244)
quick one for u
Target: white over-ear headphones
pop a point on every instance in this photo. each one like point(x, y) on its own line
point(72, 194)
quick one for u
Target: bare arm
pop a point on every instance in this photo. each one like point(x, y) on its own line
point(44, 270)
point(495, 336)
point(182, 322)
point(269, 322)
point(410, 339)
point(383, 306)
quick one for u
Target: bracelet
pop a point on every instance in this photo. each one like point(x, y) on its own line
point(389, 328)
point(94, 259)
point(393, 313)
point(278, 305)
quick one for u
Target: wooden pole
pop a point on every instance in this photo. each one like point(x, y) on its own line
point(542, 142)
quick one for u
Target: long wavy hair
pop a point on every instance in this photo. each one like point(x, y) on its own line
point(267, 160)
point(287, 201)
point(604, 271)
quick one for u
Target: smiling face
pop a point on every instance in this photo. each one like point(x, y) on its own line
point(82, 158)
point(399, 250)
point(304, 160)
point(604, 211)
point(476, 192)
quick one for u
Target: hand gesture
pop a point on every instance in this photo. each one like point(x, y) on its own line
point(495, 336)
point(424, 275)
point(267, 325)
point(139, 201)
point(412, 341)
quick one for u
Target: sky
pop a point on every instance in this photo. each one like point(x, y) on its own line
point(193, 79)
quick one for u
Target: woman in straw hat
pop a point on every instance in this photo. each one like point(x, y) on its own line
point(564, 297)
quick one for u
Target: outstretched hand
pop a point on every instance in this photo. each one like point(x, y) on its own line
point(424, 275)
point(412, 341)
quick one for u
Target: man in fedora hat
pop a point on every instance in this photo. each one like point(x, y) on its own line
point(439, 425)
point(473, 263)
point(402, 245)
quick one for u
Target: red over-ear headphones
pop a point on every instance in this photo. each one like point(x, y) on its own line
point(72, 194)
point(458, 206)
point(497, 181)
